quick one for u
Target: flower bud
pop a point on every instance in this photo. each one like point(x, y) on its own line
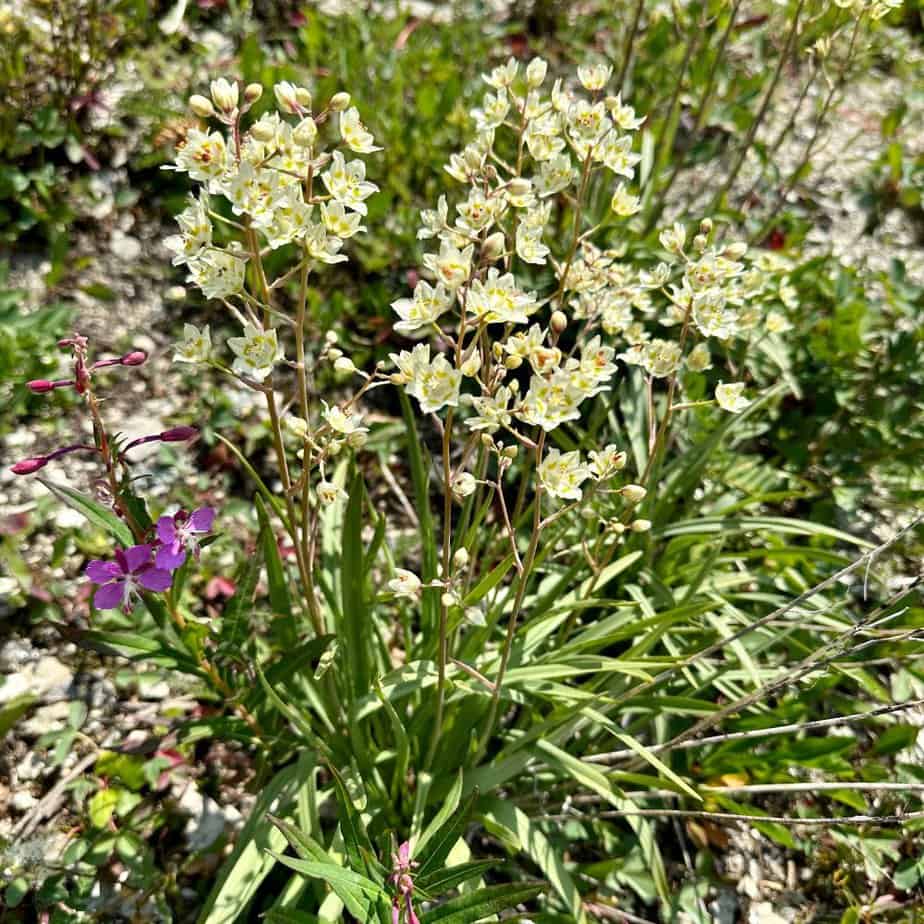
point(736, 250)
point(700, 242)
point(493, 247)
point(449, 599)
point(262, 131)
point(286, 98)
point(640, 526)
point(357, 439)
point(535, 72)
point(252, 92)
point(705, 226)
point(633, 493)
point(201, 106)
point(510, 452)
point(339, 102)
point(519, 186)
point(134, 358)
point(513, 362)
point(297, 426)
point(305, 133)
point(40, 386)
point(559, 321)
point(343, 365)
point(463, 484)
point(472, 158)
point(28, 466)
point(178, 434)
point(471, 365)
point(460, 559)
point(224, 94)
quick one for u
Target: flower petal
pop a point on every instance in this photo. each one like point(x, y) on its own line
point(101, 572)
point(166, 530)
point(137, 556)
point(109, 596)
point(155, 578)
point(170, 557)
point(201, 520)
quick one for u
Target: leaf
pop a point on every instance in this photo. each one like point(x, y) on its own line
point(355, 837)
point(92, 511)
point(442, 839)
point(102, 805)
point(357, 622)
point(430, 598)
point(443, 880)
point(473, 906)
point(354, 890)
point(13, 710)
point(489, 581)
point(234, 617)
point(450, 804)
point(280, 599)
point(534, 843)
point(251, 861)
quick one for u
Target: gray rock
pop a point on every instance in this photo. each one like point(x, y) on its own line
point(45, 719)
point(22, 801)
point(208, 820)
point(48, 679)
point(30, 768)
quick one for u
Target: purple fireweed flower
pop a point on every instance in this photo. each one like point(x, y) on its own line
point(123, 579)
point(179, 534)
point(28, 466)
point(173, 435)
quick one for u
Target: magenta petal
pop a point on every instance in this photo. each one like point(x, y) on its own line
point(155, 579)
point(166, 530)
point(137, 556)
point(201, 520)
point(170, 557)
point(109, 596)
point(101, 572)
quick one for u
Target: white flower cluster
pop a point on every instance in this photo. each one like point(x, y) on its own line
point(267, 174)
point(528, 174)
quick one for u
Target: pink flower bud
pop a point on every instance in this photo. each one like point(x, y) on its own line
point(40, 386)
point(28, 466)
point(179, 434)
point(134, 358)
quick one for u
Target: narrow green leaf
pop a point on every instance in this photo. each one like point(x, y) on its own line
point(92, 511)
point(430, 600)
point(252, 860)
point(534, 843)
point(353, 889)
point(355, 837)
point(474, 906)
point(450, 877)
point(280, 599)
point(443, 838)
point(357, 626)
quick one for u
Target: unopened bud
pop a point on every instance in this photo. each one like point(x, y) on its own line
point(460, 559)
point(472, 158)
point(339, 101)
point(28, 466)
point(134, 358)
point(471, 365)
point(40, 386)
point(224, 94)
point(633, 493)
point(493, 247)
point(700, 242)
point(357, 439)
point(736, 250)
point(510, 452)
point(201, 106)
point(705, 226)
point(263, 131)
point(559, 321)
point(535, 72)
point(519, 186)
point(513, 362)
point(449, 599)
point(344, 365)
point(305, 133)
point(640, 526)
point(286, 97)
point(178, 434)
point(252, 92)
